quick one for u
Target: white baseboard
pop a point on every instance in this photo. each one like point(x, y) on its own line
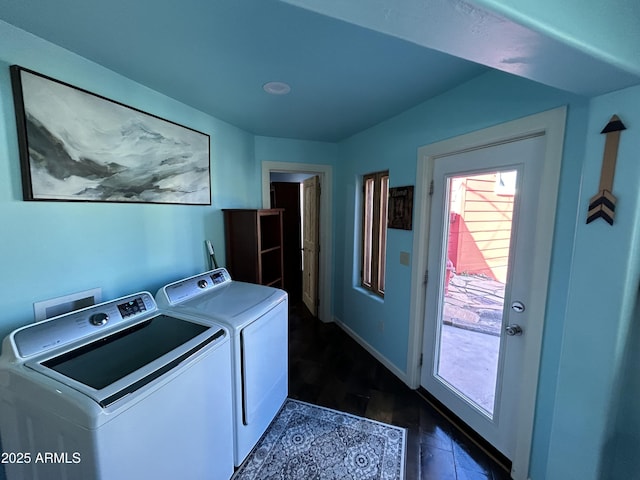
point(377, 355)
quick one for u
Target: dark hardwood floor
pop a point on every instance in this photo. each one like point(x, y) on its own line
point(328, 368)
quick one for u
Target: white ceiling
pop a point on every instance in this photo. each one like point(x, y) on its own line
point(347, 71)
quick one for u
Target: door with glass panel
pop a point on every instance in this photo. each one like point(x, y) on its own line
point(482, 224)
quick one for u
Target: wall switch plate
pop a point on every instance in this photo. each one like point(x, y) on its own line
point(405, 258)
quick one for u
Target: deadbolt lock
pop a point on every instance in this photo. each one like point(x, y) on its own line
point(517, 307)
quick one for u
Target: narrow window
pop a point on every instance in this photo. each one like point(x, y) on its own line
point(375, 188)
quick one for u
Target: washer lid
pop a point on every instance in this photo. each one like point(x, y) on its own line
point(109, 368)
point(107, 360)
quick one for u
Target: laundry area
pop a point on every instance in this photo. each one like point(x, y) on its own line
point(82, 383)
point(194, 376)
point(310, 238)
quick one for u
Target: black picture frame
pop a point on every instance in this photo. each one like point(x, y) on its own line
point(78, 146)
point(400, 208)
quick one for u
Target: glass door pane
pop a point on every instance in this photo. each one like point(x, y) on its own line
point(478, 234)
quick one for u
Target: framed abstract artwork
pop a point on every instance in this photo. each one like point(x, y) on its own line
point(78, 146)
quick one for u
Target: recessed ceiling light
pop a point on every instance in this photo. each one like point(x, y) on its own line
point(276, 88)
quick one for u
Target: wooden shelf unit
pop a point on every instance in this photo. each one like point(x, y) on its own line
point(253, 244)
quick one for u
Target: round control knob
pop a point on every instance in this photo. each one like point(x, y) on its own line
point(202, 283)
point(99, 319)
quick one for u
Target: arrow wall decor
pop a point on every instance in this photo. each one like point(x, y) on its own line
point(603, 204)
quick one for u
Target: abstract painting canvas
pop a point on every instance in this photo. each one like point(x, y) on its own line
point(79, 146)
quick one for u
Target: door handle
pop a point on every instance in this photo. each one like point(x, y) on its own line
point(513, 330)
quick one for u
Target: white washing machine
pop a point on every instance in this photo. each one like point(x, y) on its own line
point(119, 390)
point(257, 319)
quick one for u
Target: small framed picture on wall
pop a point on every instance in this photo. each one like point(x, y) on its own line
point(400, 207)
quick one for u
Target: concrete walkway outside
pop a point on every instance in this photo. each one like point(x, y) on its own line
point(470, 340)
point(469, 362)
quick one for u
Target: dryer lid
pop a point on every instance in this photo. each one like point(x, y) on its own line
point(236, 300)
point(214, 295)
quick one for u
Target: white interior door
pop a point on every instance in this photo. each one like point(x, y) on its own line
point(484, 211)
point(310, 242)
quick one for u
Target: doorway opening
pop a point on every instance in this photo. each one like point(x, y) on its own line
point(443, 155)
point(287, 192)
point(324, 254)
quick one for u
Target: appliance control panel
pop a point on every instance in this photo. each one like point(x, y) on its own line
point(55, 332)
point(191, 287)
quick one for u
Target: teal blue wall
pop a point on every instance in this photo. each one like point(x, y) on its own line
point(622, 444)
point(582, 394)
point(488, 100)
point(269, 149)
point(48, 249)
point(602, 292)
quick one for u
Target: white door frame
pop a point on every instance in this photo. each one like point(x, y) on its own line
point(326, 185)
point(552, 124)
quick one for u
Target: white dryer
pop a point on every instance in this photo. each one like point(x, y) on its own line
point(257, 319)
point(119, 390)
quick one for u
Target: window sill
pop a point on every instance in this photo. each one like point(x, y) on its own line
point(369, 294)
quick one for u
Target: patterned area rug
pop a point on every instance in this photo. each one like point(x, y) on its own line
point(307, 442)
